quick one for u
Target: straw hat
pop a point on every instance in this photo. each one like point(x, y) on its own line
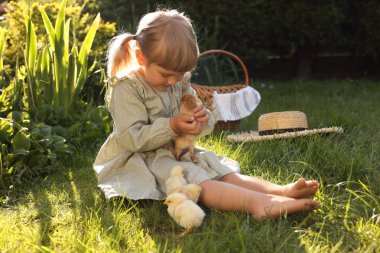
point(280, 125)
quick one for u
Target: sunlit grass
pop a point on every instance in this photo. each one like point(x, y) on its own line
point(66, 212)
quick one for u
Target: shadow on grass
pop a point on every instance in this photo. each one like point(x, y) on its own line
point(71, 191)
point(44, 213)
point(221, 231)
point(75, 190)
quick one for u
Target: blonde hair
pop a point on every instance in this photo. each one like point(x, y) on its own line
point(165, 37)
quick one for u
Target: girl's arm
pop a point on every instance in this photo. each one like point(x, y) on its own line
point(131, 125)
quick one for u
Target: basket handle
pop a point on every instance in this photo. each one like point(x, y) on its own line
point(235, 57)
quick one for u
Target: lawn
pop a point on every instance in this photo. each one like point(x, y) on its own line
point(66, 212)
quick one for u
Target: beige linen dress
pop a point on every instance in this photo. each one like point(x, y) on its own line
point(135, 160)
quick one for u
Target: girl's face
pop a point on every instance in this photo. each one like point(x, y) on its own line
point(159, 77)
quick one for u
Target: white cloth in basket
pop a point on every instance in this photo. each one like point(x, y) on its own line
point(237, 105)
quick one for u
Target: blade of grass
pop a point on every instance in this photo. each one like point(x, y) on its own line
point(60, 58)
point(2, 46)
point(72, 73)
point(30, 59)
point(83, 56)
point(48, 26)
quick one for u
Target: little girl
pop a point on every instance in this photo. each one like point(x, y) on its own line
point(148, 74)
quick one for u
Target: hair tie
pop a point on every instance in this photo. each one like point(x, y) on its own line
point(134, 37)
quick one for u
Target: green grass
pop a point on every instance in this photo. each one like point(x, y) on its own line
point(65, 212)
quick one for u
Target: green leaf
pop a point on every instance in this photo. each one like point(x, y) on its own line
point(21, 140)
point(31, 45)
point(45, 130)
point(2, 44)
point(72, 73)
point(59, 130)
point(59, 23)
point(2, 40)
point(16, 116)
point(6, 130)
point(68, 83)
point(74, 128)
point(49, 27)
point(59, 143)
point(46, 75)
point(21, 151)
point(30, 54)
point(87, 43)
point(83, 55)
point(61, 59)
point(4, 149)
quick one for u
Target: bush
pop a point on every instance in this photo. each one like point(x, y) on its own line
point(30, 149)
point(362, 28)
point(35, 133)
point(258, 29)
point(14, 24)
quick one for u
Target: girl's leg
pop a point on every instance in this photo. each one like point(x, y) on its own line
point(225, 196)
point(299, 189)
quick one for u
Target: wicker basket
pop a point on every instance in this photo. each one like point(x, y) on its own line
point(205, 93)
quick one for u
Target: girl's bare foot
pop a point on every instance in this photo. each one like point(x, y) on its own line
point(301, 189)
point(274, 206)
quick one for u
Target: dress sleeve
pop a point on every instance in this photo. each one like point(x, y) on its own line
point(133, 130)
point(211, 120)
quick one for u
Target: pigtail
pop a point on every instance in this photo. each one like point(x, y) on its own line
point(120, 60)
point(120, 55)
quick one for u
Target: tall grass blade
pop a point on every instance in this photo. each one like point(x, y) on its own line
point(30, 59)
point(17, 104)
point(44, 74)
point(73, 71)
point(50, 30)
point(60, 62)
point(83, 55)
point(87, 43)
point(66, 85)
point(2, 46)
point(48, 26)
point(31, 45)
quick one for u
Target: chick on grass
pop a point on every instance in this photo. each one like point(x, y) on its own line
point(176, 180)
point(185, 212)
point(184, 141)
point(191, 191)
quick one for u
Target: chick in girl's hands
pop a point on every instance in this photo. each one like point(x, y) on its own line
point(191, 191)
point(188, 104)
point(185, 212)
point(183, 141)
point(176, 180)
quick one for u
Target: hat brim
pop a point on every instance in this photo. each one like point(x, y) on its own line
point(255, 137)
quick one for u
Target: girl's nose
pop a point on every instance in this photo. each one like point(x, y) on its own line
point(172, 80)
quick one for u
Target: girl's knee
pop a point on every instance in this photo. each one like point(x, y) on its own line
point(210, 187)
point(206, 184)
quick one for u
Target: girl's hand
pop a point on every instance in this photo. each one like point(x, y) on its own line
point(200, 115)
point(182, 123)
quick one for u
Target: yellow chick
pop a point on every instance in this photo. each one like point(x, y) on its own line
point(185, 212)
point(184, 141)
point(176, 180)
point(191, 191)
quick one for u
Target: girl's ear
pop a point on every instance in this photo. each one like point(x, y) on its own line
point(140, 57)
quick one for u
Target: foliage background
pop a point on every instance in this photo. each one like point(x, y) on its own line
point(35, 132)
point(49, 200)
point(300, 30)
